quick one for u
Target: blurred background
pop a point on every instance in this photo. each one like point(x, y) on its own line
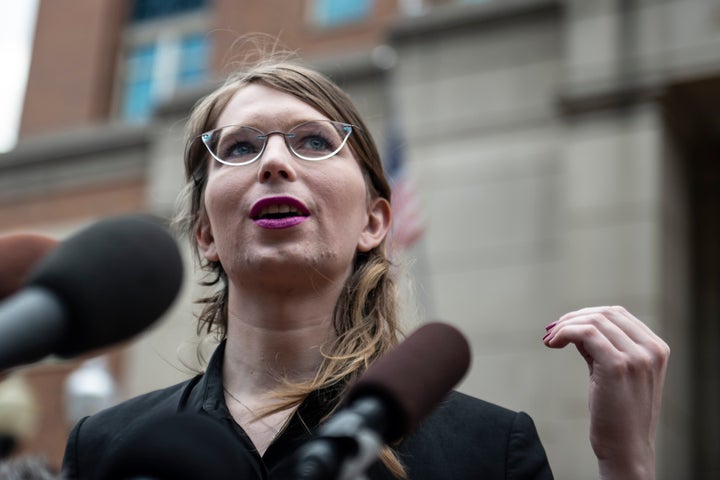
point(547, 155)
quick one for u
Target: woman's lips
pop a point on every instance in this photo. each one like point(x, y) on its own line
point(278, 212)
point(277, 223)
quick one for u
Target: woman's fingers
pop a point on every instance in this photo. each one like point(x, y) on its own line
point(593, 331)
point(618, 316)
point(627, 364)
point(624, 331)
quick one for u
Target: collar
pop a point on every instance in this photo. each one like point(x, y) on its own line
point(205, 395)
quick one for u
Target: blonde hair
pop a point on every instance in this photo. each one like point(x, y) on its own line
point(365, 317)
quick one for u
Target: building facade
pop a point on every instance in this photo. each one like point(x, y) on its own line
point(564, 153)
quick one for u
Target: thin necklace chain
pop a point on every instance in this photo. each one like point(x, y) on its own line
point(252, 412)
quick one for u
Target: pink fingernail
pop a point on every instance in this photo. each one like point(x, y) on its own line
point(550, 326)
point(547, 335)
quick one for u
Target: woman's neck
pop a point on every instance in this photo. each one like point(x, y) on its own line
point(275, 336)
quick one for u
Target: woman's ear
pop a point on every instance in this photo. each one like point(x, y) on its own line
point(205, 240)
point(378, 225)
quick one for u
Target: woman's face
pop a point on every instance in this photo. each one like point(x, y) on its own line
point(282, 219)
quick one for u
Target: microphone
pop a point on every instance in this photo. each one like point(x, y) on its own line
point(388, 401)
point(19, 253)
point(102, 285)
point(181, 446)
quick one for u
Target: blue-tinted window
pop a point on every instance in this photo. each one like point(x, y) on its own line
point(194, 53)
point(330, 13)
point(154, 9)
point(138, 100)
point(161, 68)
point(139, 82)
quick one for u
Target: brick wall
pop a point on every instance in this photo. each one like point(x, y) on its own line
point(73, 65)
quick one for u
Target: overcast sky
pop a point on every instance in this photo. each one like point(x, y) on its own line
point(17, 24)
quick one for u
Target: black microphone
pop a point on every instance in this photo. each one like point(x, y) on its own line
point(101, 286)
point(389, 400)
point(181, 446)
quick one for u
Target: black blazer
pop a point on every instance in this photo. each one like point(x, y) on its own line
point(463, 439)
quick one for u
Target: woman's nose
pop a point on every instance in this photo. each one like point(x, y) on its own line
point(276, 161)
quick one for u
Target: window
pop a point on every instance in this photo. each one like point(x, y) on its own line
point(332, 13)
point(139, 83)
point(167, 50)
point(153, 9)
point(194, 54)
point(158, 69)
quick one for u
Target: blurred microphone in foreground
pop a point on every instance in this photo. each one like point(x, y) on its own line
point(389, 400)
point(101, 286)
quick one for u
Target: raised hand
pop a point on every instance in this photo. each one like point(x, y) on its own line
point(627, 363)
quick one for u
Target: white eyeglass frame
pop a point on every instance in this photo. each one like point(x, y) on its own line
point(346, 127)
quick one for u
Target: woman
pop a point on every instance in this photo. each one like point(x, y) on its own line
point(290, 208)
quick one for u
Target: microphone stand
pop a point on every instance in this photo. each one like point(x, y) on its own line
point(346, 445)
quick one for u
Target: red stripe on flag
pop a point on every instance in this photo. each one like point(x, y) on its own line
point(408, 222)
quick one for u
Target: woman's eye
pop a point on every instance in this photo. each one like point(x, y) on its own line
point(240, 149)
point(315, 143)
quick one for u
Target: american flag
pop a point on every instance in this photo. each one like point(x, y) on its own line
point(408, 223)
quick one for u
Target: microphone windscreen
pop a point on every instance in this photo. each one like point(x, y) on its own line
point(182, 446)
point(19, 253)
point(416, 376)
point(114, 278)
